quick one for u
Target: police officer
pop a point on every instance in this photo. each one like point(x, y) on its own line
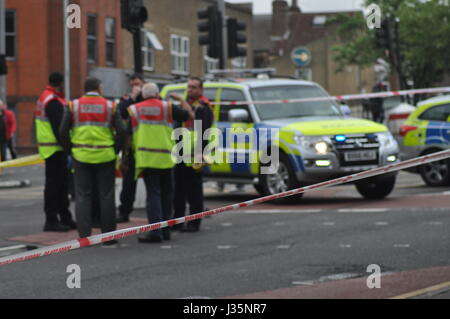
point(49, 112)
point(94, 131)
point(151, 129)
point(128, 193)
point(188, 180)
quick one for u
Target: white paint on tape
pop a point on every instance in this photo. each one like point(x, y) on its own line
point(279, 211)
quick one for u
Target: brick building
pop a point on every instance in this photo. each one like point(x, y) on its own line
point(34, 37)
point(101, 48)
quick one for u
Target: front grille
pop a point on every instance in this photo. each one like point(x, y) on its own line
point(366, 143)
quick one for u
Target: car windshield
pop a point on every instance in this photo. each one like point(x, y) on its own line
point(300, 109)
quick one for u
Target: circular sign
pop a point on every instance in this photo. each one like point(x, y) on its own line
point(301, 56)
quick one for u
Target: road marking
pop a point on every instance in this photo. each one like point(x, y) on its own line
point(423, 291)
point(345, 246)
point(12, 247)
point(283, 246)
point(381, 223)
point(435, 223)
point(401, 246)
point(224, 247)
point(362, 210)
point(166, 247)
point(280, 224)
point(279, 211)
point(328, 223)
point(226, 224)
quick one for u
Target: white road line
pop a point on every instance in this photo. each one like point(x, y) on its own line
point(381, 223)
point(401, 246)
point(279, 211)
point(226, 224)
point(283, 246)
point(362, 210)
point(328, 223)
point(224, 247)
point(303, 283)
point(435, 223)
point(345, 246)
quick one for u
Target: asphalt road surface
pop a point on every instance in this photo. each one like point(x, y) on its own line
point(320, 248)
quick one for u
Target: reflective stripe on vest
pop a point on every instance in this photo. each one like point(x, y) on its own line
point(92, 132)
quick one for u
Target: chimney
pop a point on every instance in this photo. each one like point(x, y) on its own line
point(294, 15)
point(294, 7)
point(280, 11)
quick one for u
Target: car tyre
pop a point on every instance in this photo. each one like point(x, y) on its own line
point(436, 173)
point(282, 180)
point(376, 187)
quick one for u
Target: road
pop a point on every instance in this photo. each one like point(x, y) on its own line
point(320, 248)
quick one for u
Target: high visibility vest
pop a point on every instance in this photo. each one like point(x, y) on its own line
point(151, 122)
point(46, 139)
point(92, 134)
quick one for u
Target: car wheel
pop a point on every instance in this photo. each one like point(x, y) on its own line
point(436, 173)
point(376, 187)
point(282, 180)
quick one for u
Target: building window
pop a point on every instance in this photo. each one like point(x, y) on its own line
point(92, 38)
point(179, 52)
point(148, 54)
point(10, 34)
point(110, 31)
point(210, 63)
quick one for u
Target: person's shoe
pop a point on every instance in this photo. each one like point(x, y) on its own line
point(191, 227)
point(69, 223)
point(150, 239)
point(110, 243)
point(58, 227)
point(178, 227)
point(166, 233)
point(123, 218)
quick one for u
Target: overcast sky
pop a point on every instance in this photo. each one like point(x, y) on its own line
point(265, 6)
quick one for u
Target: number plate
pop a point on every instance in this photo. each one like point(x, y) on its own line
point(360, 156)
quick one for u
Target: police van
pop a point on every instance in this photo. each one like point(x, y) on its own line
point(313, 141)
point(425, 131)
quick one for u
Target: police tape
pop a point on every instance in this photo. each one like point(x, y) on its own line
point(119, 234)
point(23, 161)
point(345, 97)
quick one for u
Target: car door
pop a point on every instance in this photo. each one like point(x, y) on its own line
point(438, 128)
point(236, 137)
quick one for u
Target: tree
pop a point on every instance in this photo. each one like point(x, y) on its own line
point(419, 48)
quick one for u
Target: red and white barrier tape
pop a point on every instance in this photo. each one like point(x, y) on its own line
point(118, 234)
point(345, 97)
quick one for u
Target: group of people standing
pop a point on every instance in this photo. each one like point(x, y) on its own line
point(93, 131)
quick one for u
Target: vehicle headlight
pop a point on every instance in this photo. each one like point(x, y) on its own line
point(318, 144)
point(386, 139)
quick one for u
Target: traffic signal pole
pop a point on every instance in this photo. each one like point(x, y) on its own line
point(224, 59)
point(137, 51)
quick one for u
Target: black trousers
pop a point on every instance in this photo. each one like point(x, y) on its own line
point(56, 197)
point(128, 193)
point(188, 188)
point(88, 178)
point(10, 146)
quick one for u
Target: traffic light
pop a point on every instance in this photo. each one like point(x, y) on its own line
point(133, 14)
point(383, 36)
point(211, 24)
point(3, 65)
point(235, 38)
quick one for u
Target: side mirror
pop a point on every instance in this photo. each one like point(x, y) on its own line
point(238, 115)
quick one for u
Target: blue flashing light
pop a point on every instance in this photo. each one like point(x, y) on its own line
point(340, 138)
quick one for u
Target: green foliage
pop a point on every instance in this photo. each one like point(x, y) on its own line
point(424, 33)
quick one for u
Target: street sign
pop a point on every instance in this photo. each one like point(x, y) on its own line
point(301, 56)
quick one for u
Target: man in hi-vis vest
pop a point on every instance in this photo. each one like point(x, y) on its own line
point(151, 130)
point(93, 130)
point(49, 112)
